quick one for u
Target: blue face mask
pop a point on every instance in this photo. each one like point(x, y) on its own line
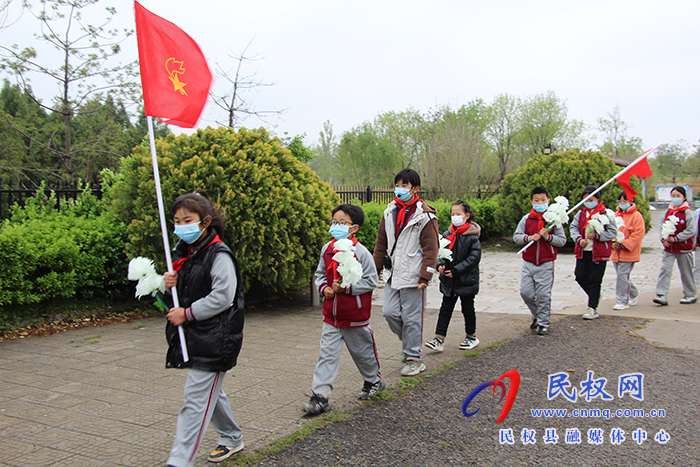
point(404, 194)
point(591, 204)
point(339, 232)
point(624, 207)
point(541, 208)
point(677, 201)
point(188, 233)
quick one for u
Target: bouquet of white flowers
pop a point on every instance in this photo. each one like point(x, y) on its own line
point(620, 222)
point(349, 267)
point(668, 228)
point(150, 283)
point(599, 221)
point(444, 253)
point(556, 213)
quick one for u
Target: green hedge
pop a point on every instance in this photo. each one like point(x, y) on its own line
point(77, 252)
point(486, 214)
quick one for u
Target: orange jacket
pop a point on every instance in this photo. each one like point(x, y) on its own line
point(634, 230)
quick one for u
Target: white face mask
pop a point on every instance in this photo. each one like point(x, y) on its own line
point(458, 221)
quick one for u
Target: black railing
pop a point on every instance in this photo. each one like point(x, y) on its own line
point(10, 196)
point(385, 196)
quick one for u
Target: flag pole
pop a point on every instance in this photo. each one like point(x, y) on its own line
point(164, 231)
point(622, 172)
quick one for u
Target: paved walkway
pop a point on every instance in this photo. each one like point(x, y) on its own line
point(102, 397)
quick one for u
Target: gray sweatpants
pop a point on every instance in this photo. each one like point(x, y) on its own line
point(536, 289)
point(362, 348)
point(696, 271)
point(624, 289)
point(205, 402)
point(403, 311)
point(685, 266)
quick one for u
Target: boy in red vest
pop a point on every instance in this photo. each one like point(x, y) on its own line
point(346, 313)
point(537, 274)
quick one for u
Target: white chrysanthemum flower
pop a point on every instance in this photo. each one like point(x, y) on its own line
point(349, 267)
point(142, 270)
point(595, 225)
point(620, 237)
point(602, 218)
point(556, 212)
point(561, 200)
point(344, 245)
point(619, 221)
point(139, 268)
point(444, 252)
point(668, 228)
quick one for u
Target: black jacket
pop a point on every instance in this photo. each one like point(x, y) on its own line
point(466, 254)
point(213, 344)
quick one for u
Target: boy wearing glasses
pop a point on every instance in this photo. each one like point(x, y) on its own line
point(346, 313)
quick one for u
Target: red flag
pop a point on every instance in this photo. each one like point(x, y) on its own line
point(174, 74)
point(641, 169)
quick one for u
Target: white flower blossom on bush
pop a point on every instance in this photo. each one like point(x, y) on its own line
point(349, 267)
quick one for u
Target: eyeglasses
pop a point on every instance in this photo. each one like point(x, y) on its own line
point(340, 223)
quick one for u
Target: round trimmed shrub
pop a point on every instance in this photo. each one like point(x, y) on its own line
point(276, 209)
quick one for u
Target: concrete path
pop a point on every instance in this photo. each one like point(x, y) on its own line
point(102, 397)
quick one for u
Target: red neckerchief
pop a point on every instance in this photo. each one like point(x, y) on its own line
point(598, 209)
point(455, 232)
point(541, 224)
point(177, 265)
point(401, 217)
point(672, 210)
point(630, 210)
point(334, 263)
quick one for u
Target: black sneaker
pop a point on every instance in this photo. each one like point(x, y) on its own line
point(317, 405)
point(533, 326)
point(542, 331)
point(221, 452)
point(370, 390)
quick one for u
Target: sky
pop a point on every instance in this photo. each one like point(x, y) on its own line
point(348, 61)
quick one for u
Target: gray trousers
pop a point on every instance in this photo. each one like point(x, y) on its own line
point(362, 348)
point(403, 311)
point(536, 289)
point(685, 266)
point(624, 289)
point(205, 402)
point(696, 271)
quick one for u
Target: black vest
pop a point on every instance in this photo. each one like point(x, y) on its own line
point(213, 344)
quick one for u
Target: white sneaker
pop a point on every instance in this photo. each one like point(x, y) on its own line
point(688, 300)
point(435, 344)
point(632, 301)
point(620, 306)
point(590, 314)
point(469, 343)
point(412, 368)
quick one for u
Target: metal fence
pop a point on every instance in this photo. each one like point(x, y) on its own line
point(384, 195)
point(10, 196)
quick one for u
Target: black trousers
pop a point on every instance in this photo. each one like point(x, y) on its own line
point(446, 309)
point(589, 275)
